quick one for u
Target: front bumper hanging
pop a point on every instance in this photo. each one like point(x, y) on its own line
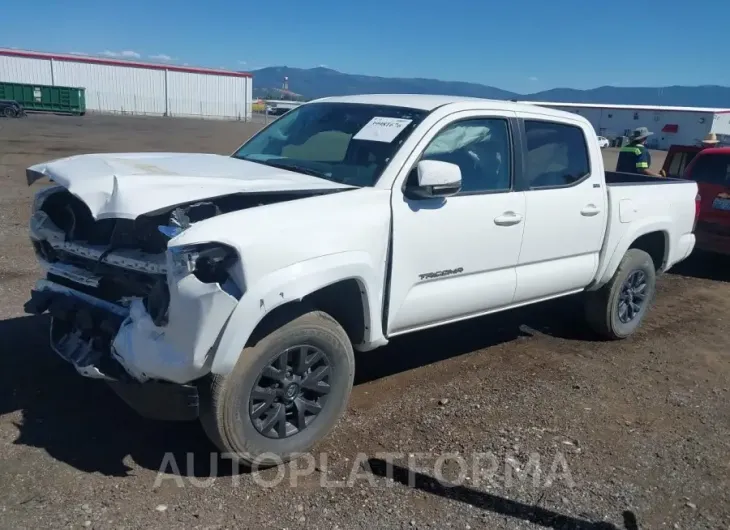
point(82, 332)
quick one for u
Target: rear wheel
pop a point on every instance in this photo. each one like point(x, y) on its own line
point(285, 393)
point(617, 309)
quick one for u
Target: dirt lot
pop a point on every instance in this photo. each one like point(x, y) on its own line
point(551, 428)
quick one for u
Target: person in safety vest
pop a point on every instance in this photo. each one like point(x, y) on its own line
point(635, 157)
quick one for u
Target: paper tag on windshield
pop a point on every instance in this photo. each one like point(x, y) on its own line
point(381, 129)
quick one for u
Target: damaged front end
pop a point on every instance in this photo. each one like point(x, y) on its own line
point(124, 307)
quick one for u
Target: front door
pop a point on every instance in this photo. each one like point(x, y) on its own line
point(454, 258)
point(566, 204)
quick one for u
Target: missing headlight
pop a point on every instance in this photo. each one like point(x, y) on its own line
point(209, 263)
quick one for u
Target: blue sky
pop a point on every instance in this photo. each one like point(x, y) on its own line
point(522, 45)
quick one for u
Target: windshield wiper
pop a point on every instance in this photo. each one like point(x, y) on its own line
point(292, 167)
point(301, 169)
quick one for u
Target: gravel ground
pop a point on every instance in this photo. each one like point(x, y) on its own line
point(517, 420)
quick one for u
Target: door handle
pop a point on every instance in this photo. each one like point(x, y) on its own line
point(508, 219)
point(590, 210)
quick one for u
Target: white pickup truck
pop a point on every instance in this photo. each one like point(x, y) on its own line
point(234, 289)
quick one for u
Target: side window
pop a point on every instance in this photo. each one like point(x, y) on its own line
point(677, 164)
point(481, 149)
point(711, 169)
point(557, 154)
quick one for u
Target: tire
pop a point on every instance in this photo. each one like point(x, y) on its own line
point(602, 307)
point(226, 406)
point(10, 112)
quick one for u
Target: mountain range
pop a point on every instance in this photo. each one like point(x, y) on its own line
point(320, 82)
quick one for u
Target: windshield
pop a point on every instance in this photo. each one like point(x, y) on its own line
point(350, 143)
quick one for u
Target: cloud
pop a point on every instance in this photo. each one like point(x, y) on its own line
point(126, 54)
point(533, 78)
point(323, 66)
point(78, 53)
point(161, 57)
point(242, 62)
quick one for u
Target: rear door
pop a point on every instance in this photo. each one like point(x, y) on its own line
point(566, 203)
point(711, 171)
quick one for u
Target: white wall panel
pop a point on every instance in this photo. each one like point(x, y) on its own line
point(721, 123)
point(115, 88)
point(211, 96)
point(136, 89)
point(612, 122)
point(23, 70)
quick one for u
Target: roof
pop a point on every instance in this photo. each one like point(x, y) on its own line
point(119, 62)
point(627, 107)
point(431, 102)
point(414, 101)
point(716, 151)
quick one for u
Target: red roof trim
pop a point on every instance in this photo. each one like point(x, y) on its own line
point(117, 62)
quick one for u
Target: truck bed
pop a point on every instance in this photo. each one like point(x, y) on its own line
point(614, 178)
point(635, 204)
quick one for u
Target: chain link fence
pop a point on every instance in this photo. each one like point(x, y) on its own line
point(138, 105)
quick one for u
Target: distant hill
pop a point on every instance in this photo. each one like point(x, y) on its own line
point(320, 82)
point(681, 96)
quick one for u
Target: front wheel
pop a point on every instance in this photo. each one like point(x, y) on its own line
point(617, 309)
point(285, 393)
point(10, 112)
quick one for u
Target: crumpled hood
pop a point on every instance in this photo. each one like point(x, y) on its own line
point(127, 185)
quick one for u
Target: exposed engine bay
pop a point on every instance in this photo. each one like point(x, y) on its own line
point(107, 281)
point(121, 258)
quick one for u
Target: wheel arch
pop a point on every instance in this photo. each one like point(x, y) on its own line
point(656, 244)
point(652, 237)
point(330, 284)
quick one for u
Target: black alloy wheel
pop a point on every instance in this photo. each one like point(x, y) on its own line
point(632, 296)
point(617, 309)
point(289, 387)
point(290, 392)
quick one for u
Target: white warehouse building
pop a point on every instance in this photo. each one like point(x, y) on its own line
point(670, 125)
point(131, 87)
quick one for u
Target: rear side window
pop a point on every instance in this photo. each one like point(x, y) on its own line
point(712, 169)
point(677, 164)
point(557, 154)
point(680, 161)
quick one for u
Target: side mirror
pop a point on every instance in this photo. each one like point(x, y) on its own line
point(435, 179)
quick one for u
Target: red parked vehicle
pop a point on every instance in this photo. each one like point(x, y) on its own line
point(678, 158)
point(710, 168)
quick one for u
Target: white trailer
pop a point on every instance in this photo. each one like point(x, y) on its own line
point(133, 87)
point(670, 125)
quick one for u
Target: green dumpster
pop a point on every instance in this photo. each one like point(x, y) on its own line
point(46, 98)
